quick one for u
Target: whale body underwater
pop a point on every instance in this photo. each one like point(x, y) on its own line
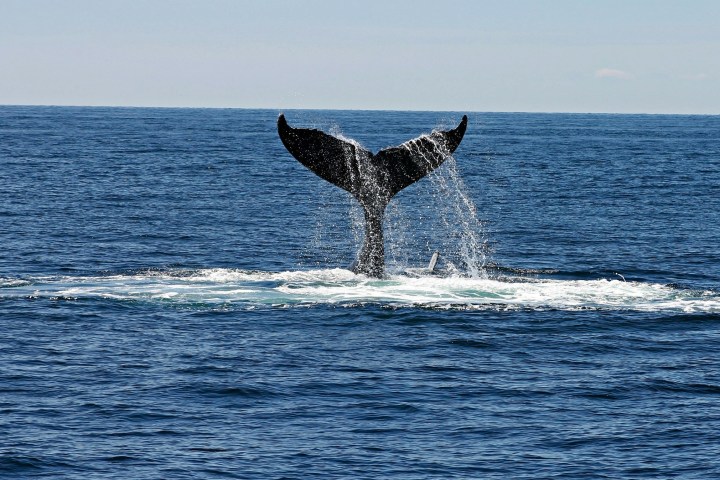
point(372, 178)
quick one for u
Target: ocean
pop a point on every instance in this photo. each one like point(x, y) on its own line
point(175, 299)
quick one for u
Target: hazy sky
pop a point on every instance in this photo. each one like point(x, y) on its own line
point(652, 56)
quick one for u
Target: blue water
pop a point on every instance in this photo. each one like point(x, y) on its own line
point(174, 300)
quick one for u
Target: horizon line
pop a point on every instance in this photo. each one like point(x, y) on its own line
point(59, 105)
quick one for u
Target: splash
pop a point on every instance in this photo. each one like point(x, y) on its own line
point(466, 248)
point(438, 216)
point(450, 221)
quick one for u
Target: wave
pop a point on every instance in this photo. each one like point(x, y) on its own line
point(252, 289)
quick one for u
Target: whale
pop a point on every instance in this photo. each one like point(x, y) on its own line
point(372, 178)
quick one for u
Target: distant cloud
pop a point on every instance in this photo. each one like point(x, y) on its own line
point(695, 76)
point(613, 73)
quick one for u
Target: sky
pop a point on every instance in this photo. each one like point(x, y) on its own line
point(629, 56)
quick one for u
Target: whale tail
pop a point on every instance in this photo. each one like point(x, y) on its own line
point(373, 179)
point(349, 166)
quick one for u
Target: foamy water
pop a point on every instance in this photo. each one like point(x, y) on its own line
point(342, 287)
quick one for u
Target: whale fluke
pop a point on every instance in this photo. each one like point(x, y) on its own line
point(373, 179)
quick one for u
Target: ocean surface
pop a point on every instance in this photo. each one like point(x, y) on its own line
point(175, 300)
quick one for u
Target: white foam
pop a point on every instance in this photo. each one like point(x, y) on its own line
point(338, 286)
